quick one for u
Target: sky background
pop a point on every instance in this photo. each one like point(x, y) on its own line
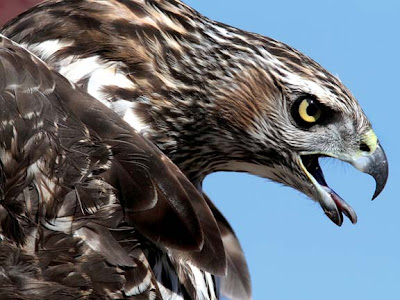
point(294, 251)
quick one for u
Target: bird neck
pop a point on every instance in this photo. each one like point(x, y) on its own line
point(188, 136)
point(200, 101)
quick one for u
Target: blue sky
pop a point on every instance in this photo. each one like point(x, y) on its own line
point(293, 250)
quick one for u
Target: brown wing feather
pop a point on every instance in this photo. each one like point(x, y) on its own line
point(72, 171)
point(171, 188)
point(57, 213)
point(154, 200)
point(236, 284)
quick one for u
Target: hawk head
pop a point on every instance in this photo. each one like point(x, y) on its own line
point(290, 112)
point(211, 96)
point(247, 103)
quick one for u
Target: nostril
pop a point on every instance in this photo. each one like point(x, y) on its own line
point(364, 147)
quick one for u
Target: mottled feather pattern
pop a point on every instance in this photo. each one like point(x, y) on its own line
point(51, 195)
point(210, 96)
point(168, 52)
point(83, 194)
point(187, 76)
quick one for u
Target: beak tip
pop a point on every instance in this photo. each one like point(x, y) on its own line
point(335, 217)
point(381, 179)
point(377, 166)
point(378, 190)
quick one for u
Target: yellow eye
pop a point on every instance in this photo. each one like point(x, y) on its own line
point(309, 110)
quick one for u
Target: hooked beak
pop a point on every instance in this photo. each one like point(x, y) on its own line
point(373, 163)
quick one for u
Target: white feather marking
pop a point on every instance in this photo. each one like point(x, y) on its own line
point(152, 295)
point(6, 157)
point(94, 244)
point(30, 242)
point(6, 123)
point(200, 283)
point(143, 286)
point(298, 82)
point(167, 294)
point(34, 169)
point(106, 165)
point(32, 141)
point(46, 186)
point(77, 69)
point(38, 124)
point(310, 87)
point(105, 77)
point(61, 224)
point(223, 31)
point(134, 121)
point(47, 48)
point(218, 39)
point(28, 115)
point(14, 139)
point(162, 268)
point(210, 284)
point(98, 72)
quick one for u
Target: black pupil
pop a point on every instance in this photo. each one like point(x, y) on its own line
point(312, 108)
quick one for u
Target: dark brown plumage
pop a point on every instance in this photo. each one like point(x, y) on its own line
point(82, 192)
point(211, 97)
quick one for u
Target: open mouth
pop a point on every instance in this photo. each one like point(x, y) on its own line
point(332, 204)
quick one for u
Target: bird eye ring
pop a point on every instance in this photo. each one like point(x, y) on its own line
point(306, 111)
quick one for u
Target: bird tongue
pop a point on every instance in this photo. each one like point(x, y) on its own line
point(336, 208)
point(341, 207)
